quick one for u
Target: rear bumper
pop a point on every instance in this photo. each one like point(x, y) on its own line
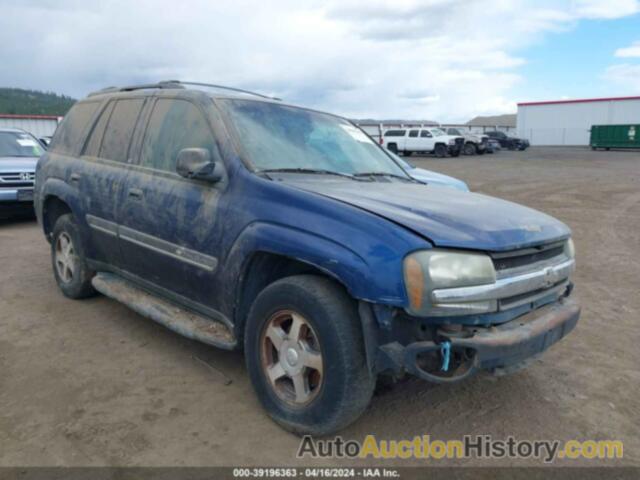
point(495, 347)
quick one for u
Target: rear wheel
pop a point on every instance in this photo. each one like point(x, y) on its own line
point(70, 269)
point(440, 150)
point(305, 355)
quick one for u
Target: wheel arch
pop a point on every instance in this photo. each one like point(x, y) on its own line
point(260, 270)
point(53, 207)
point(264, 253)
point(57, 198)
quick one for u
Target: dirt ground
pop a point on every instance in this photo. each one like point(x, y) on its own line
point(92, 383)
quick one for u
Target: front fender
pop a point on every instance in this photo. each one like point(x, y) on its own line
point(362, 280)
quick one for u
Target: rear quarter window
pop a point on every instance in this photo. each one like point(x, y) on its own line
point(71, 131)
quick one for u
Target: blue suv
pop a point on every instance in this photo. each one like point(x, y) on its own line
point(244, 222)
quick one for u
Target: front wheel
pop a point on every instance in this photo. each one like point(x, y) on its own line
point(305, 355)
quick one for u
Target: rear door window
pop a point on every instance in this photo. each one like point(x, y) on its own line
point(72, 129)
point(119, 130)
point(174, 124)
point(413, 133)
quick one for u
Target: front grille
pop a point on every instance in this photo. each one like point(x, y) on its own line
point(540, 296)
point(17, 179)
point(535, 259)
point(521, 258)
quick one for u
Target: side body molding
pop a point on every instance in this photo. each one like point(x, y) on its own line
point(158, 245)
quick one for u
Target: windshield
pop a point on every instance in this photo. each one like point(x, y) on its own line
point(18, 144)
point(437, 132)
point(277, 137)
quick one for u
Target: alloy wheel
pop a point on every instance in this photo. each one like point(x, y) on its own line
point(291, 358)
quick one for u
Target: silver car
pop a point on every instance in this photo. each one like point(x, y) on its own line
point(19, 153)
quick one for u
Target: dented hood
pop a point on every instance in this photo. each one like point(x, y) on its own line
point(446, 217)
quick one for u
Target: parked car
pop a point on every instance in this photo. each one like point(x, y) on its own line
point(241, 221)
point(19, 152)
point(510, 143)
point(406, 141)
point(493, 145)
point(429, 177)
point(473, 144)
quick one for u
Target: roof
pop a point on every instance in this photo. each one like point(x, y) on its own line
point(213, 90)
point(578, 100)
point(30, 117)
point(507, 120)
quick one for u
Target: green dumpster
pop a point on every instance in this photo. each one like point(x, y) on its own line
point(615, 136)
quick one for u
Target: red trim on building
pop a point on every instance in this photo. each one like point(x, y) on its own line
point(29, 117)
point(580, 100)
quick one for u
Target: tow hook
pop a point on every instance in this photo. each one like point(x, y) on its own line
point(460, 371)
point(445, 351)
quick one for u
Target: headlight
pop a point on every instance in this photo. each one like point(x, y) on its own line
point(570, 249)
point(427, 270)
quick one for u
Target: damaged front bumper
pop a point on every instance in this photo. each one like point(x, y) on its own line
point(498, 347)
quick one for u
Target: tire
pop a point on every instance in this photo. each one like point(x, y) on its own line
point(470, 149)
point(70, 269)
point(406, 153)
point(440, 150)
point(480, 151)
point(344, 387)
point(393, 148)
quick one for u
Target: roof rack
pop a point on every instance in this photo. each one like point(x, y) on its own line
point(222, 87)
point(142, 86)
point(176, 84)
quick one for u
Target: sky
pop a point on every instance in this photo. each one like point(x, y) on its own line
point(443, 60)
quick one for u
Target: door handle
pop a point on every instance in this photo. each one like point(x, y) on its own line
point(135, 192)
point(74, 177)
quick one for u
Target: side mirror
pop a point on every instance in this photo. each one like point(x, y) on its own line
point(196, 163)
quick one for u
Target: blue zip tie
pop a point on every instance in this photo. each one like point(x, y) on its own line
point(445, 350)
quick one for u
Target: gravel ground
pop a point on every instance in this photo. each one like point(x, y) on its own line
point(92, 383)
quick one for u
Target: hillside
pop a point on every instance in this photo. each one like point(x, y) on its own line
point(19, 101)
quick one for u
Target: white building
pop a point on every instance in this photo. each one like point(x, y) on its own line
point(37, 125)
point(568, 122)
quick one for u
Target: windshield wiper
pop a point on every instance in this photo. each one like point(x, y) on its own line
point(308, 170)
point(383, 174)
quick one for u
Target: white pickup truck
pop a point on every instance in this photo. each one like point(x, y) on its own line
point(406, 141)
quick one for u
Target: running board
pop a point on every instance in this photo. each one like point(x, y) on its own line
point(180, 320)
